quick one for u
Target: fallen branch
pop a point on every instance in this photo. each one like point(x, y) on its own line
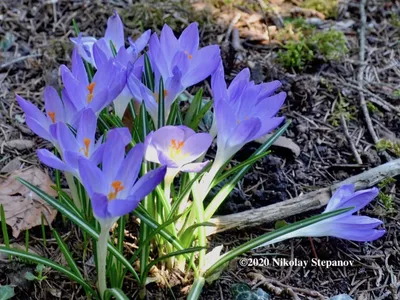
point(303, 203)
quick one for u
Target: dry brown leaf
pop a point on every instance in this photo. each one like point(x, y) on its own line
point(22, 207)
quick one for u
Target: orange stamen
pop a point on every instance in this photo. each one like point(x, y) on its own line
point(157, 96)
point(117, 186)
point(175, 149)
point(90, 88)
point(188, 55)
point(52, 116)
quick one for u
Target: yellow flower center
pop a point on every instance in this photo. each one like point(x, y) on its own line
point(52, 116)
point(117, 187)
point(90, 88)
point(175, 149)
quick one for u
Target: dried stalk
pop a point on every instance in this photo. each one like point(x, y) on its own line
point(303, 203)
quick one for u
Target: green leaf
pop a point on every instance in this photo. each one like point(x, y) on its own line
point(161, 104)
point(173, 113)
point(67, 254)
point(224, 192)
point(189, 231)
point(197, 119)
point(269, 237)
point(79, 222)
point(248, 162)
point(196, 288)
point(148, 73)
point(117, 293)
point(280, 224)
point(47, 262)
point(4, 227)
point(29, 276)
point(194, 107)
point(6, 292)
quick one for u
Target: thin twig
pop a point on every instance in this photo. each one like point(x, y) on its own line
point(349, 140)
point(360, 77)
point(22, 58)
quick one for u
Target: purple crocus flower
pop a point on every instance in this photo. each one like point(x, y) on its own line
point(177, 147)
point(179, 62)
point(106, 85)
point(115, 190)
point(114, 34)
point(72, 147)
point(43, 124)
point(347, 225)
point(242, 113)
point(97, 51)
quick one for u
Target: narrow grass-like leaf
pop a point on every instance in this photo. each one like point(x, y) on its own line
point(161, 104)
point(189, 231)
point(47, 262)
point(81, 223)
point(248, 162)
point(6, 239)
point(67, 254)
point(224, 192)
point(269, 237)
point(200, 115)
point(173, 113)
point(186, 190)
point(118, 294)
point(197, 287)
point(43, 230)
point(148, 73)
point(194, 107)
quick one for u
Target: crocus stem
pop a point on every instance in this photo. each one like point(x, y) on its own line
point(102, 258)
point(199, 208)
point(74, 191)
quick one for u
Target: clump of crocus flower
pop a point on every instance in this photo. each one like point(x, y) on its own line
point(118, 168)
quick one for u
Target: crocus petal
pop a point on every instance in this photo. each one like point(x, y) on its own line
point(92, 177)
point(84, 45)
point(76, 91)
point(198, 70)
point(268, 107)
point(87, 128)
point(187, 131)
point(238, 84)
point(130, 168)
point(359, 199)
point(118, 207)
point(122, 135)
point(166, 160)
point(141, 42)
point(163, 137)
point(114, 153)
point(225, 119)
point(78, 68)
point(71, 158)
point(169, 43)
point(244, 132)
point(151, 153)
point(66, 138)
point(147, 183)
point(101, 53)
point(49, 159)
point(267, 89)
point(268, 126)
point(218, 85)
point(35, 119)
point(97, 155)
point(54, 106)
point(122, 102)
point(115, 31)
point(100, 206)
point(100, 101)
point(195, 146)
point(189, 39)
point(194, 167)
point(343, 192)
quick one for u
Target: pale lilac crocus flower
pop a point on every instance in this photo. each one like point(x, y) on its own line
point(72, 147)
point(242, 113)
point(87, 46)
point(347, 225)
point(177, 148)
point(179, 62)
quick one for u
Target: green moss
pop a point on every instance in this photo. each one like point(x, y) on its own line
point(384, 193)
point(342, 107)
point(328, 7)
point(302, 44)
point(373, 109)
point(395, 20)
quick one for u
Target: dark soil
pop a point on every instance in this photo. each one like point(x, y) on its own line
point(38, 42)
